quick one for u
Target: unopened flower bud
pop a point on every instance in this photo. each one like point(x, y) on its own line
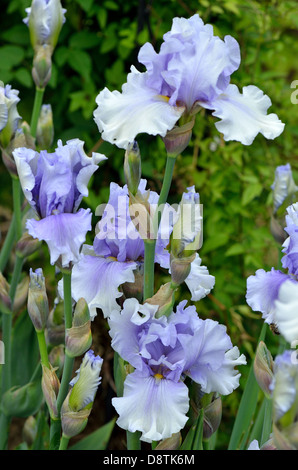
point(287, 438)
point(284, 187)
point(27, 245)
point(44, 20)
point(38, 306)
point(212, 417)
point(142, 214)
point(180, 268)
point(135, 289)
point(9, 116)
point(23, 401)
point(172, 443)
point(55, 332)
point(50, 387)
point(5, 302)
point(164, 298)
point(57, 358)
point(186, 237)
point(178, 138)
point(42, 66)
point(78, 338)
point(78, 403)
point(45, 127)
point(132, 167)
point(277, 230)
point(263, 368)
point(21, 294)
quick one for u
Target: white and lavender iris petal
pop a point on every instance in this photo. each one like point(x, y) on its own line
point(290, 246)
point(63, 233)
point(284, 383)
point(244, 116)
point(155, 407)
point(286, 311)
point(199, 281)
point(262, 292)
point(283, 186)
point(129, 324)
point(97, 280)
point(122, 116)
point(226, 378)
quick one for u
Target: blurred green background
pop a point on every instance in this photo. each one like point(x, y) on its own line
point(97, 46)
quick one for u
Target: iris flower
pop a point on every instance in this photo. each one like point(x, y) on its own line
point(54, 185)
point(163, 352)
point(191, 71)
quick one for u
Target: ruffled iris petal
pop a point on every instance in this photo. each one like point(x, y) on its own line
point(155, 407)
point(243, 116)
point(199, 281)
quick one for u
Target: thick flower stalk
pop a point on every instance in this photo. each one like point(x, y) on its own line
point(191, 71)
point(54, 185)
point(163, 351)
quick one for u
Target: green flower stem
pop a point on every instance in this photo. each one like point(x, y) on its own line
point(150, 245)
point(64, 442)
point(7, 245)
point(133, 440)
point(39, 92)
point(69, 361)
point(198, 439)
point(43, 348)
point(148, 289)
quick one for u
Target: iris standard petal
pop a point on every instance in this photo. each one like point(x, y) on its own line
point(122, 116)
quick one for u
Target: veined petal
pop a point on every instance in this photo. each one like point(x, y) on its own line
point(122, 116)
point(26, 163)
point(97, 280)
point(155, 407)
point(286, 308)
point(244, 115)
point(63, 233)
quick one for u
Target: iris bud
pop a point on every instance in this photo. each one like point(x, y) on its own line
point(78, 337)
point(263, 368)
point(132, 167)
point(38, 306)
point(45, 127)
